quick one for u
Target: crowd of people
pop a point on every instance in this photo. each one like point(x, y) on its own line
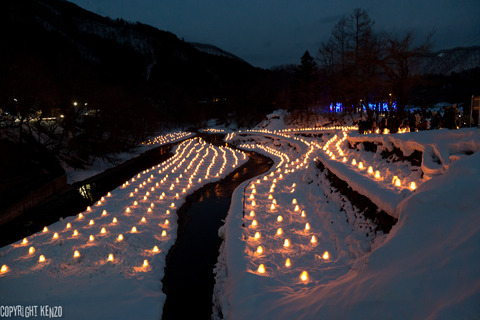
point(412, 120)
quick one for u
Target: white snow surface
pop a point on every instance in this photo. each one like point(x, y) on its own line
point(92, 287)
point(426, 267)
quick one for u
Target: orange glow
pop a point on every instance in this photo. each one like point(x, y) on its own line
point(370, 170)
point(75, 233)
point(91, 222)
point(360, 166)
point(164, 233)
point(41, 258)
point(134, 229)
point(31, 250)
point(4, 269)
point(149, 210)
point(120, 237)
point(279, 231)
point(103, 231)
point(314, 239)
point(145, 263)
point(143, 219)
point(55, 235)
point(326, 255)
point(114, 220)
point(252, 213)
point(279, 218)
point(377, 174)
point(257, 235)
point(155, 249)
point(270, 197)
point(104, 212)
point(307, 226)
point(25, 241)
point(286, 243)
point(128, 210)
point(413, 186)
point(80, 216)
point(76, 254)
point(167, 222)
point(254, 223)
point(304, 276)
point(45, 229)
point(89, 209)
point(259, 250)
point(297, 208)
point(253, 203)
point(68, 226)
point(91, 238)
point(398, 183)
point(288, 263)
point(303, 214)
point(261, 268)
point(294, 201)
point(354, 162)
point(110, 257)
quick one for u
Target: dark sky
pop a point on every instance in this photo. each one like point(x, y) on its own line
point(272, 32)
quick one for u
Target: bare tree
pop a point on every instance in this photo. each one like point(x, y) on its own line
point(399, 62)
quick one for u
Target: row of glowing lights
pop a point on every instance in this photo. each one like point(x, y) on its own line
point(286, 243)
point(283, 156)
point(120, 237)
point(387, 131)
point(370, 171)
point(183, 147)
point(168, 138)
point(344, 128)
point(213, 130)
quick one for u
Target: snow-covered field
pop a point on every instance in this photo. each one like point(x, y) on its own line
point(108, 262)
point(294, 248)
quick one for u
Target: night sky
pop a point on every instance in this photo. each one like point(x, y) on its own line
point(273, 32)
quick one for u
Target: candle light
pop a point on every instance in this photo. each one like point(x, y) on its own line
point(288, 263)
point(31, 250)
point(91, 238)
point(103, 231)
point(76, 254)
point(91, 222)
point(4, 269)
point(261, 268)
point(45, 229)
point(259, 250)
point(145, 263)
point(75, 233)
point(279, 218)
point(314, 239)
point(110, 257)
point(257, 235)
point(307, 226)
point(134, 229)
point(326, 255)
point(286, 243)
point(41, 258)
point(252, 213)
point(120, 237)
point(254, 223)
point(413, 186)
point(164, 233)
point(304, 276)
point(155, 249)
point(279, 231)
point(55, 235)
point(114, 220)
point(25, 241)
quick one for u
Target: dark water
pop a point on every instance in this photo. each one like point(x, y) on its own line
point(189, 279)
